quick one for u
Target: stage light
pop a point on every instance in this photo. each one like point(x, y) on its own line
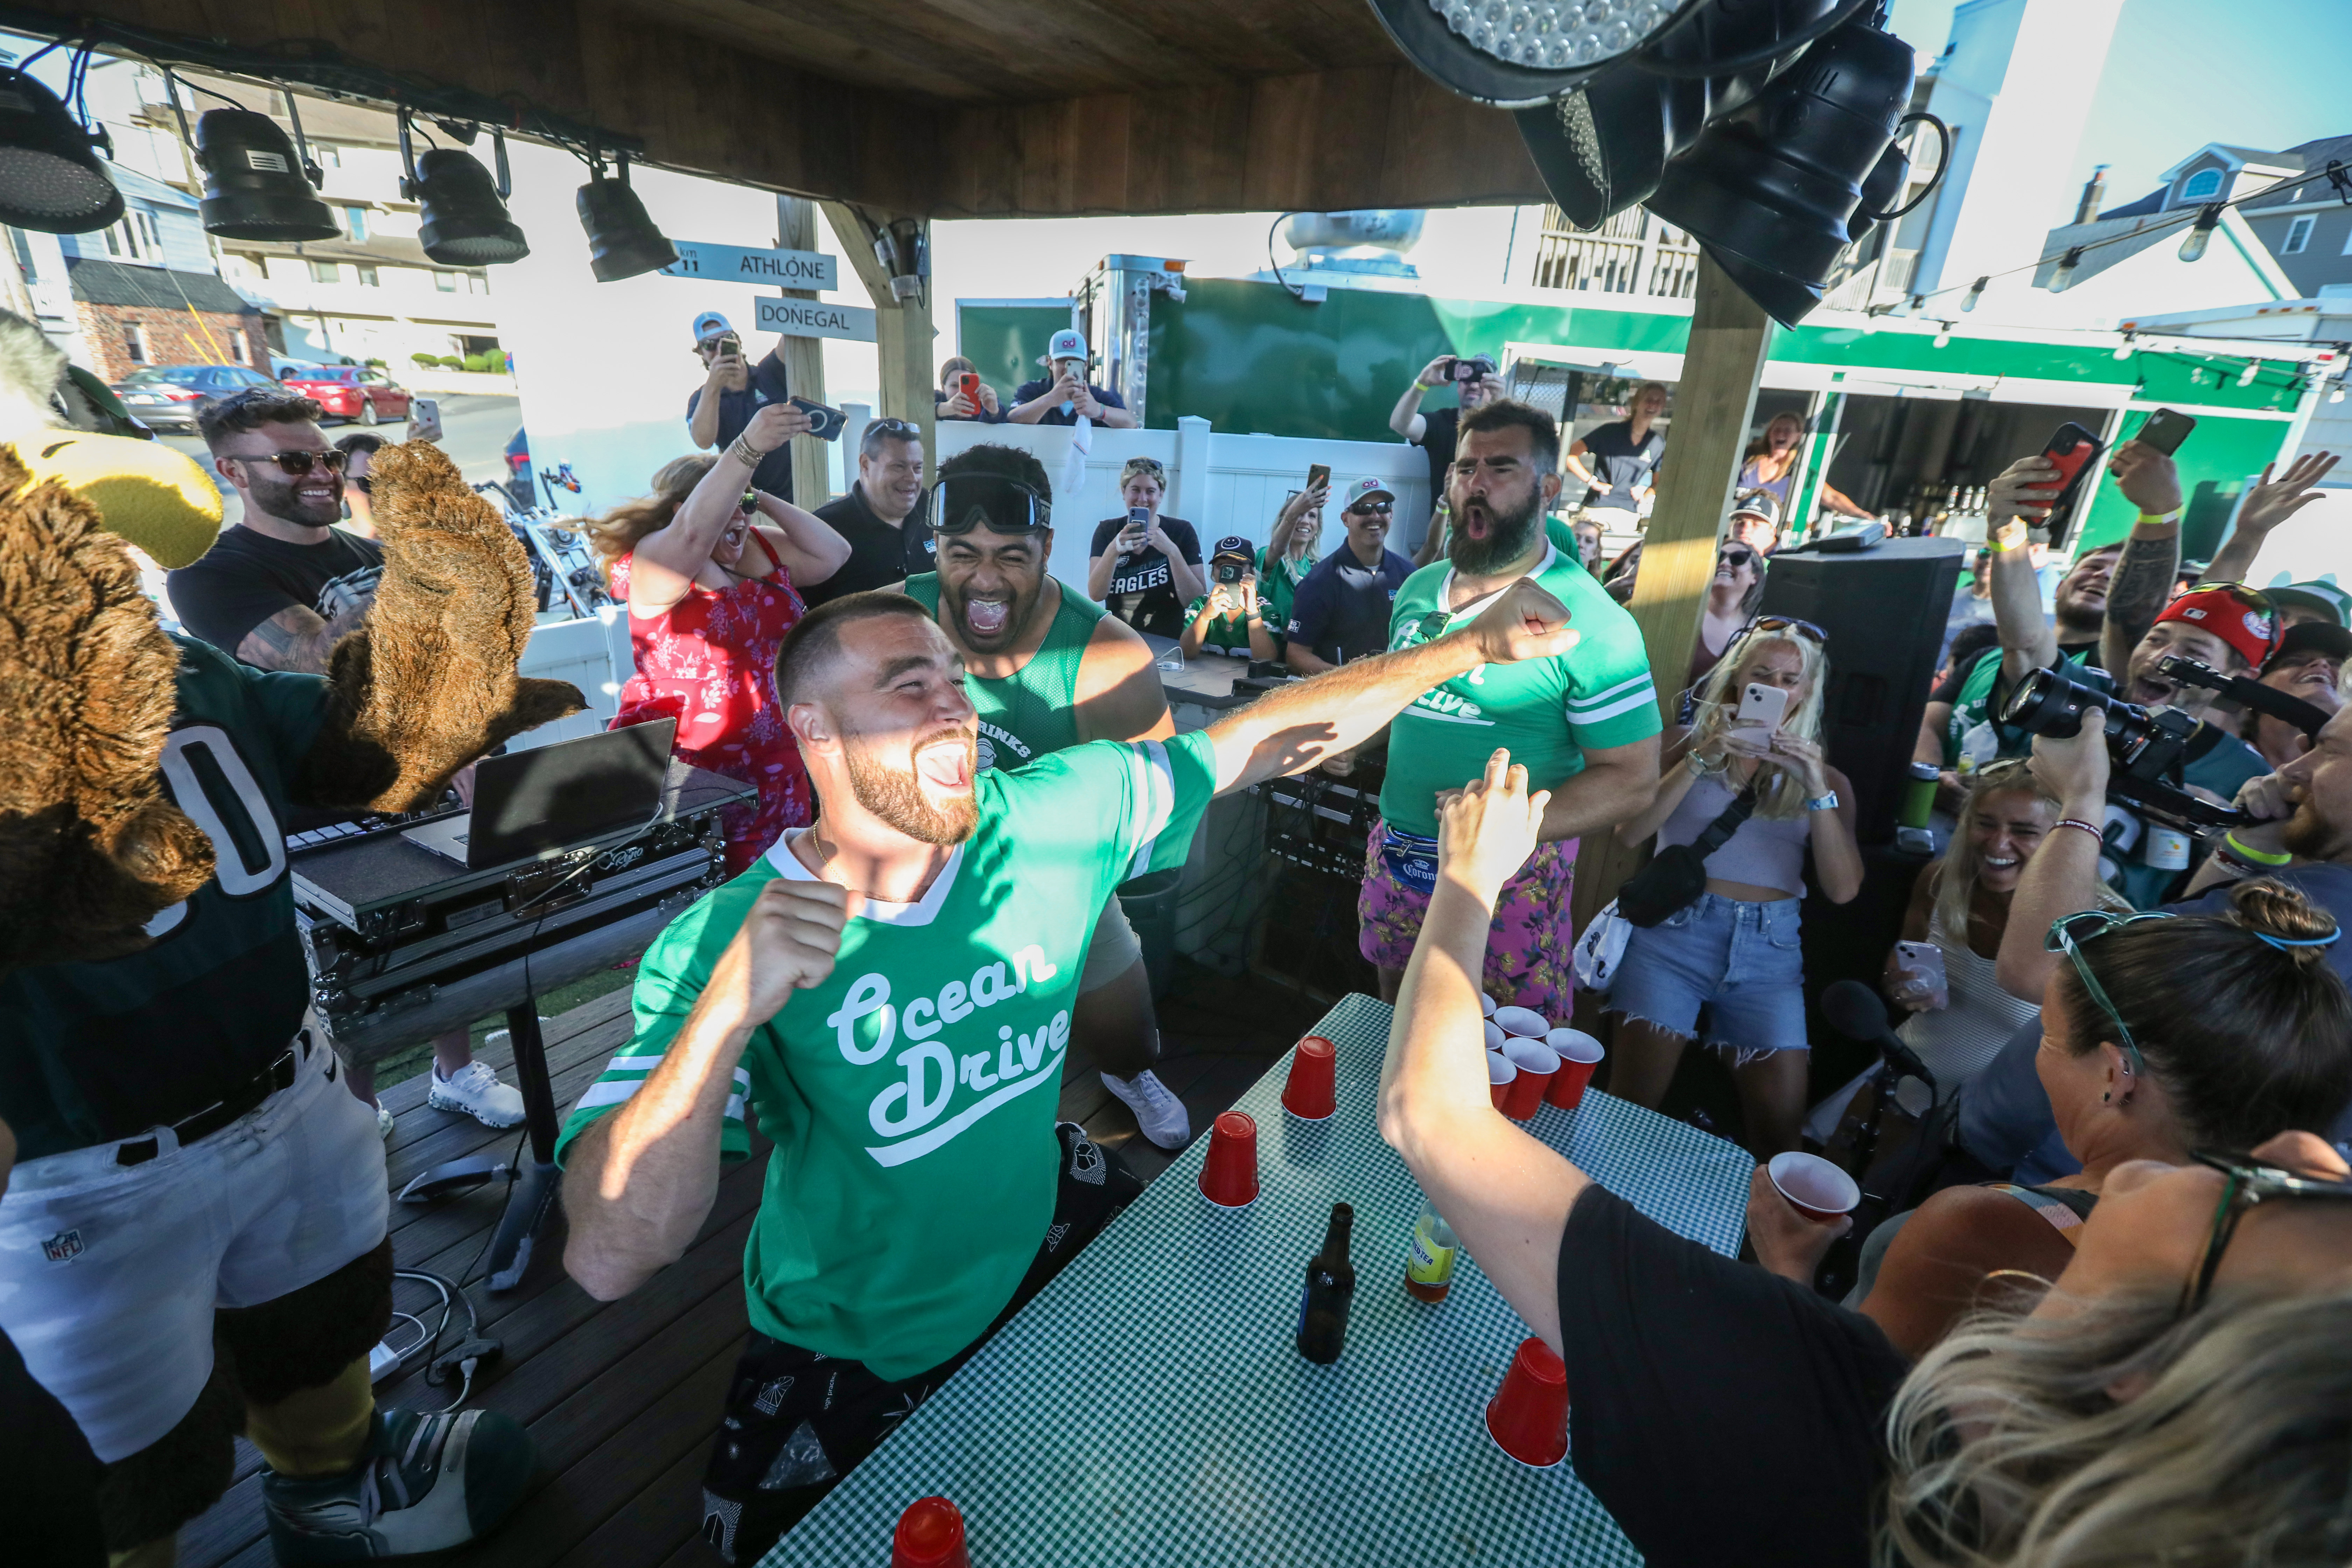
point(51, 178)
point(465, 219)
point(255, 185)
point(1602, 148)
point(1975, 292)
point(1777, 185)
point(1519, 53)
point(622, 240)
point(2200, 233)
point(2063, 273)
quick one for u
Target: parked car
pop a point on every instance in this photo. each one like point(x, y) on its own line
point(166, 396)
point(281, 367)
point(352, 392)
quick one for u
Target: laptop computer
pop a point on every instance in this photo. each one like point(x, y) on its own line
point(538, 804)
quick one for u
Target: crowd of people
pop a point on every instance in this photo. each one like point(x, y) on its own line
point(2105, 1322)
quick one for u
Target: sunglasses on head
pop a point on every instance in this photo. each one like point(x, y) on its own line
point(299, 463)
point(2067, 934)
point(962, 502)
point(1780, 624)
point(2249, 1182)
point(904, 428)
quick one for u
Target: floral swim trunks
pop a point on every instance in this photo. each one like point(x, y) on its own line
point(1530, 947)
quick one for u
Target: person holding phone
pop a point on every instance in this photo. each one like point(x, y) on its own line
point(1064, 396)
point(1735, 949)
point(1292, 548)
point(1145, 568)
point(1619, 462)
point(732, 391)
point(963, 394)
point(1438, 431)
point(1229, 618)
point(709, 566)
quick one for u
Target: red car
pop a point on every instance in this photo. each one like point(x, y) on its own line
point(348, 392)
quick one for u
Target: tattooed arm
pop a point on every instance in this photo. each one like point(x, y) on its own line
point(2150, 563)
point(296, 640)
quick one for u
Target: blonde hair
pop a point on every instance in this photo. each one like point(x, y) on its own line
point(625, 527)
point(1762, 446)
point(1781, 798)
point(1152, 469)
point(2010, 1448)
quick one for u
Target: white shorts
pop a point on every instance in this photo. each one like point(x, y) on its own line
point(1111, 951)
point(109, 1274)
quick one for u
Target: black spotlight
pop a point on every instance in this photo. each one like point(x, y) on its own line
point(622, 240)
point(51, 178)
point(1520, 53)
point(255, 185)
point(1772, 190)
point(466, 223)
point(1601, 148)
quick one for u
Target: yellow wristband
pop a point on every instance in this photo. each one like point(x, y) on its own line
point(2169, 519)
point(2259, 857)
point(2001, 549)
point(1423, 386)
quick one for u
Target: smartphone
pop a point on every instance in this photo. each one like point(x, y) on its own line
point(1318, 474)
point(730, 344)
point(826, 424)
point(1474, 367)
point(1763, 707)
point(1926, 959)
point(968, 382)
point(2075, 450)
point(2165, 430)
point(1138, 523)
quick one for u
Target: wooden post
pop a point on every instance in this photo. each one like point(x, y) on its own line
point(805, 363)
point(902, 327)
point(1714, 403)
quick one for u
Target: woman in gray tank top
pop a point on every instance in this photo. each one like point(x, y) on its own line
point(1734, 951)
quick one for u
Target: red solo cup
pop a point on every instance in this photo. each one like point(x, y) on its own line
point(1524, 1022)
point(1310, 1094)
point(1814, 1187)
point(1499, 1074)
point(1229, 1175)
point(1495, 1035)
point(929, 1536)
point(1527, 1417)
point(1579, 1053)
point(1486, 1005)
point(1537, 1063)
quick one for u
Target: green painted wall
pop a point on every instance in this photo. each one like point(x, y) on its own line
point(1005, 342)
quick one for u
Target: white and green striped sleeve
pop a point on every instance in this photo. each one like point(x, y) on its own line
point(1611, 700)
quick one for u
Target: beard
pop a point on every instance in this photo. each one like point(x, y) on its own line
point(896, 794)
point(1005, 632)
point(282, 499)
point(2313, 836)
point(1509, 537)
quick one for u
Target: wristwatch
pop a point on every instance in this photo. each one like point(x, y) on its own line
point(1823, 802)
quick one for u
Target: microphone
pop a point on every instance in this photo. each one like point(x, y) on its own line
point(1856, 1011)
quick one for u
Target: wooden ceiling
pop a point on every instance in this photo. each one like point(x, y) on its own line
point(945, 108)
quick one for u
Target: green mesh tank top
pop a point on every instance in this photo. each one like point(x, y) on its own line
point(1035, 710)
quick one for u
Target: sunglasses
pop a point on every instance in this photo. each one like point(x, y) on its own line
point(2067, 934)
point(1374, 509)
point(902, 428)
point(2251, 1181)
point(1776, 624)
point(1738, 555)
point(299, 463)
point(962, 502)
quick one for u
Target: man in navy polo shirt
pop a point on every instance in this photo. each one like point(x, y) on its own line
point(1341, 609)
point(731, 392)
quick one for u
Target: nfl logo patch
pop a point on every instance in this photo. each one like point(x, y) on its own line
point(62, 1247)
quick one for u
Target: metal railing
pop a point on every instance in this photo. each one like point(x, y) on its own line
point(1632, 253)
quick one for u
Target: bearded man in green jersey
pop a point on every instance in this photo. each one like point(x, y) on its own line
point(1584, 723)
point(1046, 667)
point(890, 992)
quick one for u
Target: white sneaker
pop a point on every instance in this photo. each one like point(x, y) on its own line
point(475, 1089)
point(382, 1121)
point(1160, 1113)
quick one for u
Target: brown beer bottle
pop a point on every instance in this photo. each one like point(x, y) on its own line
point(1331, 1290)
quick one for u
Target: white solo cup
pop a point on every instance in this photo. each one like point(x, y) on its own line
point(1495, 1035)
point(1499, 1074)
point(1814, 1187)
point(1486, 1005)
point(1523, 1022)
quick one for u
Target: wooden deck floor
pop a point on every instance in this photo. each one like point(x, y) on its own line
point(622, 1399)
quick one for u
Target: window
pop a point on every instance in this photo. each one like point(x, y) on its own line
point(445, 282)
point(236, 348)
point(134, 344)
point(367, 276)
point(2298, 235)
point(356, 223)
point(2201, 187)
point(148, 233)
point(329, 157)
point(326, 272)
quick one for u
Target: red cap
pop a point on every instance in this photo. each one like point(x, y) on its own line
point(2252, 630)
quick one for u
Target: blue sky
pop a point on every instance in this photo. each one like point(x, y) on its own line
point(2184, 72)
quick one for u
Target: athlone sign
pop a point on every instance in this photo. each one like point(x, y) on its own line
point(733, 264)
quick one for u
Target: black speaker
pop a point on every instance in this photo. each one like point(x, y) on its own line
point(1883, 609)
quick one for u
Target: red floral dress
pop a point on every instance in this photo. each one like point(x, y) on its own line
point(709, 662)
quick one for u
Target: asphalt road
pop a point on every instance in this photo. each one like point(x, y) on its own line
point(474, 430)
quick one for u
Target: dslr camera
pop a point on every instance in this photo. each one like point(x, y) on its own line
point(2146, 749)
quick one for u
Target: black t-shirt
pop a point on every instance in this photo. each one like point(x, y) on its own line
point(1030, 390)
point(880, 553)
point(246, 577)
point(1142, 591)
point(1441, 434)
point(774, 474)
point(1617, 460)
point(1722, 1413)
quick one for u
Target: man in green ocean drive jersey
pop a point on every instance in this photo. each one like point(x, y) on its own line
point(890, 992)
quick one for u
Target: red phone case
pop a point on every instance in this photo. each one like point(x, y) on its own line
point(972, 387)
point(2072, 449)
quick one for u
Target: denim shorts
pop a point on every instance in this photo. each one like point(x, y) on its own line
point(1741, 961)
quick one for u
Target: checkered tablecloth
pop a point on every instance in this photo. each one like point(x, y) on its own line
point(1149, 1407)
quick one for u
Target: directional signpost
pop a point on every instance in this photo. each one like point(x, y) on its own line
point(734, 264)
point(811, 319)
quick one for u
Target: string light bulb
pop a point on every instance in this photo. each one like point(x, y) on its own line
point(1944, 336)
point(2063, 274)
point(1975, 292)
point(2200, 233)
point(2246, 377)
point(2124, 349)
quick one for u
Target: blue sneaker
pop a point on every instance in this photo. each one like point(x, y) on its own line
point(429, 1482)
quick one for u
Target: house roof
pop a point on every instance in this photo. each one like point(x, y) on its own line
point(132, 182)
point(2146, 206)
point(2237, 158)
point(112, 283)
point(2315, 155)
point(386, 250)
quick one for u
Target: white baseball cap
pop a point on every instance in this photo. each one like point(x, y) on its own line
point(1364, 490)
point(1069, 343)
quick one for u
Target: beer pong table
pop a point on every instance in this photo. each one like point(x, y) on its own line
point(1149, 1407)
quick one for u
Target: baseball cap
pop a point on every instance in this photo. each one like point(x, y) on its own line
point(1364, 490)
point(1235, 546)
point(1068, 343)
point(1757, 504)
point(2321, 595)
point(2239, 616)
point(2310, 637)
point(709, 325)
